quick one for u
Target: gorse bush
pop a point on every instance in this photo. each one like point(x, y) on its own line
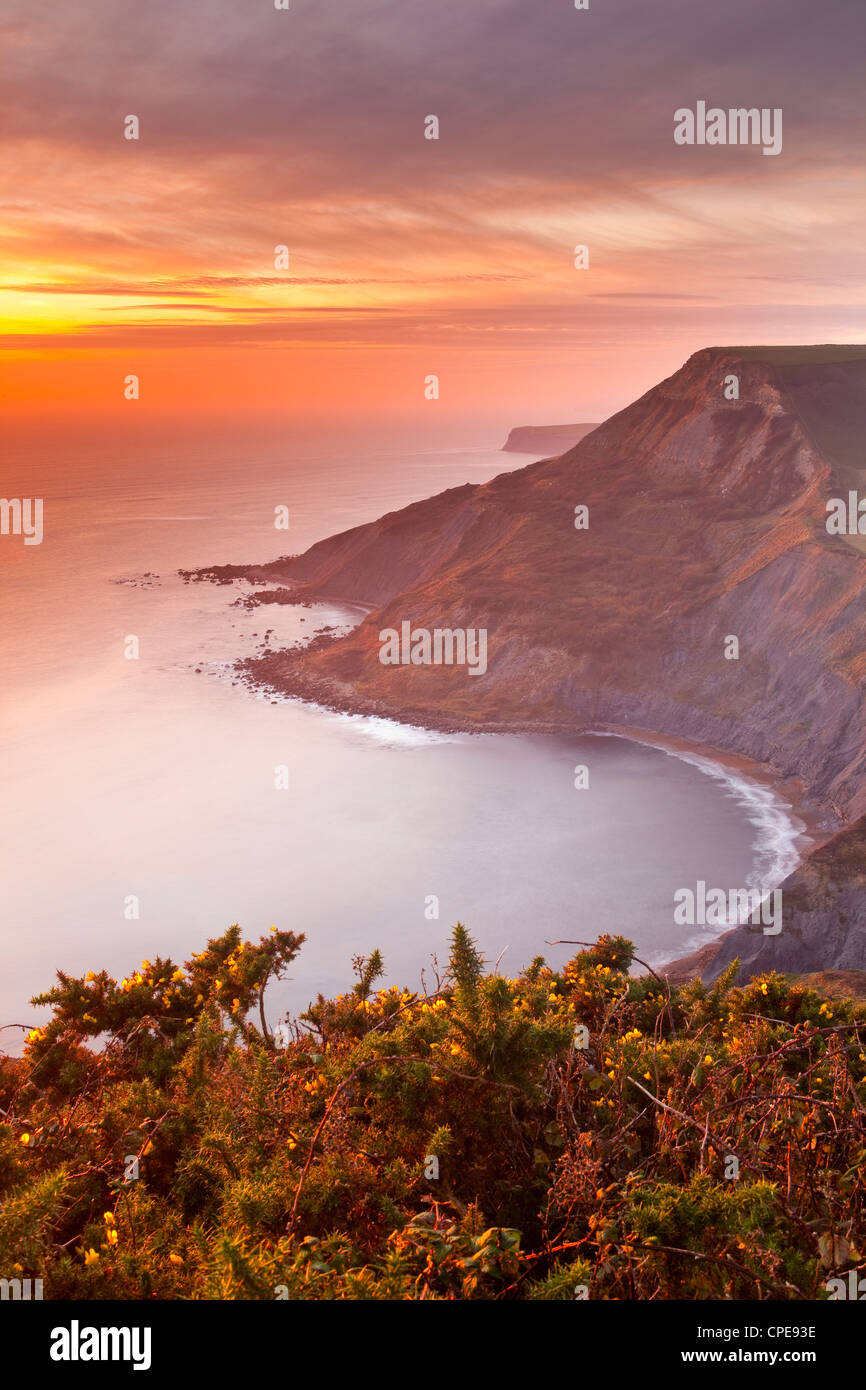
point(157, 1140)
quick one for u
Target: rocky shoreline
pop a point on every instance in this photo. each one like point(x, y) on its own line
point(819, 821)
point(707, 520)
point(268, 672)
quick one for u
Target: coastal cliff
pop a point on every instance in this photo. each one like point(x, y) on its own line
point(823, 916)
point(544, 440)
point(706, 522)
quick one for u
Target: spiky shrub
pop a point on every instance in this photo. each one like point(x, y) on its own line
point(460, 1144)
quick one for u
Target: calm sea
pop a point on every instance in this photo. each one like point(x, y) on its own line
point(155, 777)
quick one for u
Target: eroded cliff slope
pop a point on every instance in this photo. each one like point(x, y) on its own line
point(706, 521)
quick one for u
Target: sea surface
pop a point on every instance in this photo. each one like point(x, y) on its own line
point(154, 777)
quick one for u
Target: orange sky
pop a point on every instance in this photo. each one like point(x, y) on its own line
point(409, 256)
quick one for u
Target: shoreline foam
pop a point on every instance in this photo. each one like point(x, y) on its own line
point(787, 827)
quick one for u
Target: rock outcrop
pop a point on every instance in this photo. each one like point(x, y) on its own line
point(544, 440)
point(823, 916)
point(706, 522)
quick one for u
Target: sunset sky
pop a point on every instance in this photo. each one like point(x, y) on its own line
point(411, 256)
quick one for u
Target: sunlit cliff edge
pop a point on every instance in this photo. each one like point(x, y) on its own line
point(707, 519)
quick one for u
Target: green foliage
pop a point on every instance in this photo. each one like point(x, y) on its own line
point(466, 969)
point(707, 1143)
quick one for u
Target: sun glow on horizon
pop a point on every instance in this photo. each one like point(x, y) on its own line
point(407, 255)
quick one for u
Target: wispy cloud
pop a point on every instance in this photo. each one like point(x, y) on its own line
point(305, 128)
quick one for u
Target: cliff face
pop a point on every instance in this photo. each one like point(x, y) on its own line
point(545, 440)
point(823, 916)
point(706, 520)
